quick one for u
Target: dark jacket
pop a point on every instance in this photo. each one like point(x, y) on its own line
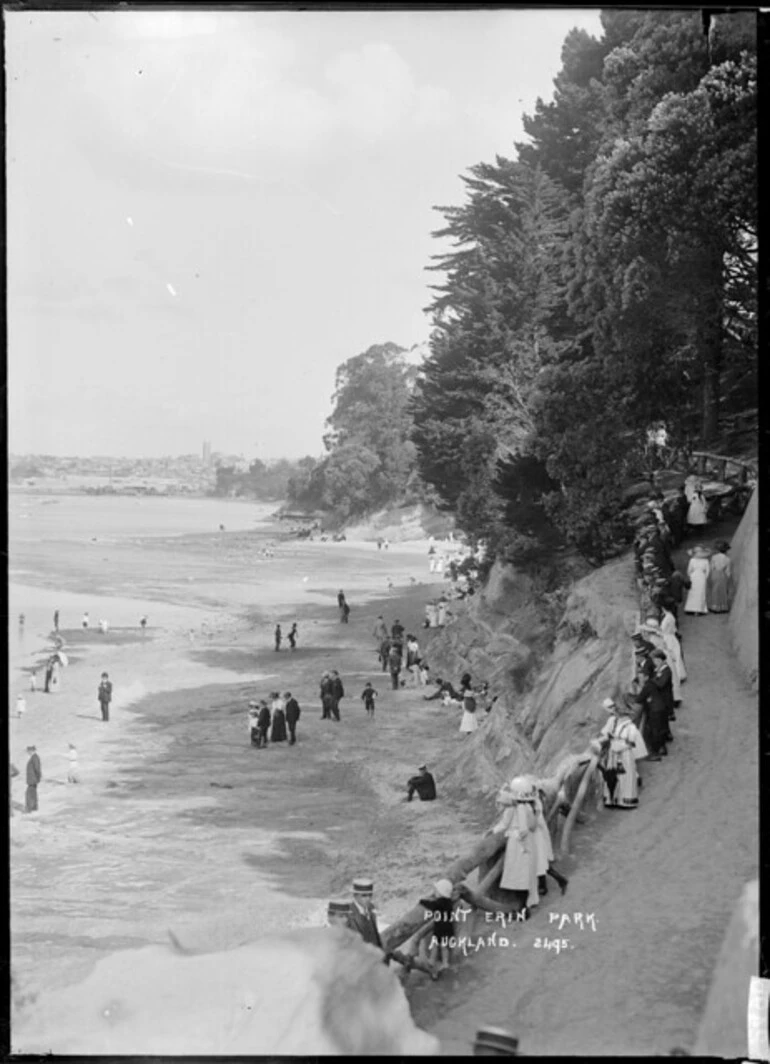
point(425, 785)
point(394, 659)
point(337, 689)
point(105, 691)
point(263, 720)
point(292, 711)
point(34, 771)
point(366, 926)
point(397, 633)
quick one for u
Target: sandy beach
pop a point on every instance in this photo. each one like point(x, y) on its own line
point(177, 823)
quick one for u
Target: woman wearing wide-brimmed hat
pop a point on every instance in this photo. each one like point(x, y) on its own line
point(520, 823)
point(625, 746)
point(698, 570)
point(720, 579)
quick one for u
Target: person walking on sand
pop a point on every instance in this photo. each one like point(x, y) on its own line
point(327, 696)
point(21, 705)
point(72, 773)
point(397, 632)
point(278, 637)
point(368, 696)
point(380, 632)
point(105, 696)
point(85, 622)
point(345, 612)
point(394, 665)
point(34, 776)
point(56, 620)
point(292, 716)
point(384, 652)
point(341, 603)
point(338, 693)
point(293, 633)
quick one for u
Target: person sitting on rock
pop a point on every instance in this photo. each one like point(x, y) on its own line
point(423, 785)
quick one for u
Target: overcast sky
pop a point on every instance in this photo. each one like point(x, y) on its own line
point(209, 211)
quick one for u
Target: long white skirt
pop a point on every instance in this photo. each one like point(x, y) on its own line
point(520, 867)
point(674, 648)
point(469, 722)
point(696, 596)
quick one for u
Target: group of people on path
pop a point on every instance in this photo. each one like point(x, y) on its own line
point(639, 723)
point(268, 722)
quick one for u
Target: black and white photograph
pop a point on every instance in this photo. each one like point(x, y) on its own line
point(383, 586)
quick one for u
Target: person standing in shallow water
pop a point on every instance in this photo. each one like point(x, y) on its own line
point(105, 696)
point(278, 637)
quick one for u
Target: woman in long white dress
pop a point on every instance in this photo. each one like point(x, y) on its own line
point(669, 629)
point(698, 571)
point(697, 514)
point(469, 723)
point(626, 746)
point(544, 845)
point(520, 823)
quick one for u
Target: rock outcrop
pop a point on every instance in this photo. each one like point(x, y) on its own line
point(311, 993)
point(550, 691)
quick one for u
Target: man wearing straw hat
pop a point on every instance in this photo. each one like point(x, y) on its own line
point(362, 918)
point(338, 912)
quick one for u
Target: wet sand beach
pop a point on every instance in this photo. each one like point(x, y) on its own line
point(177, 823)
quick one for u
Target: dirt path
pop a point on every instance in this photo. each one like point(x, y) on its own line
point(661, 881)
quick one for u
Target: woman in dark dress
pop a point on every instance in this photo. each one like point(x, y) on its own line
point(278, 732)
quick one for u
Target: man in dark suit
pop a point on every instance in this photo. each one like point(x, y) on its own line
point(424, 784)
point(105, 696)
point(338, 693)
point(292, 716)
point(362, 918)
point(34, 776)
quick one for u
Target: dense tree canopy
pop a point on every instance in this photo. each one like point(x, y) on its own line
point(604, 280)
point(371, 458)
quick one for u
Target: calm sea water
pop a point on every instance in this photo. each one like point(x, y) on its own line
point(79, 517)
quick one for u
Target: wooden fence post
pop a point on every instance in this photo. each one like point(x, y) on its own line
point(590, 768)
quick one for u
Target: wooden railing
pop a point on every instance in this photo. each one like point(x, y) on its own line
point(717, 464)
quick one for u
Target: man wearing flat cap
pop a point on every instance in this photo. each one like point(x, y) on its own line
point(423, 784)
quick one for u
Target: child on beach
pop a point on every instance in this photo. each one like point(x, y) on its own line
point(21, 705)
point(72, 775)
point(368, 696)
